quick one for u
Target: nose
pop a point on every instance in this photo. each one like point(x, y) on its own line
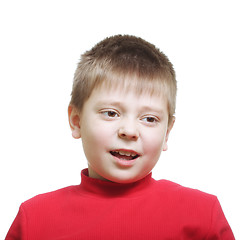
point(128, 130)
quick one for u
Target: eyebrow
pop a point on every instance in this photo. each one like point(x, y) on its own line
point(154, 109)
point(110, 103)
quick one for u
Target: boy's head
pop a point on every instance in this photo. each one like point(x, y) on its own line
point(127, 62)
point(122, 106)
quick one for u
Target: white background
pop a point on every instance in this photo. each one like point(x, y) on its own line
point(41, 43)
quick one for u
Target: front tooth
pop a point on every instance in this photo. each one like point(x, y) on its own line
point(123, 153)
point(119, 152)
point(126, 154)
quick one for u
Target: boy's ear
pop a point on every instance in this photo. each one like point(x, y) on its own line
point(74, 121)
point(170, 126)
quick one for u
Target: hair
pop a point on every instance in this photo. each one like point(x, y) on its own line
point(125, 61)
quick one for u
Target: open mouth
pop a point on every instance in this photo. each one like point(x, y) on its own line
point(125, 155)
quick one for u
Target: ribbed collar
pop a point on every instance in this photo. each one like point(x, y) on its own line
point(103, 189)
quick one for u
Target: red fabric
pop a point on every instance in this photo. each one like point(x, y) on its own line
point(96, 209)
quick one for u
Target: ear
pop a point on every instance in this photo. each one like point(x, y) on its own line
point(170, 126)
point(74, 121)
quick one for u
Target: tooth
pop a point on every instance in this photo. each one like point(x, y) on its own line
point(123, 153)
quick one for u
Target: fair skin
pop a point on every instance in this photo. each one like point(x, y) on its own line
point(123, 134)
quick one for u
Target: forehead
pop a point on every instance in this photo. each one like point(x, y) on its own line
point(132, 83)
point(127, 97)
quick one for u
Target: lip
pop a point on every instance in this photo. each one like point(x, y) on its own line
point(122, 162)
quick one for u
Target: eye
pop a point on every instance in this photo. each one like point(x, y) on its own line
point(110, 114)
point(150, 119)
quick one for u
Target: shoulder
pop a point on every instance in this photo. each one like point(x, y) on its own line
point(173, 187)
point(49, 199)
point(184, 194)
point(196, 210)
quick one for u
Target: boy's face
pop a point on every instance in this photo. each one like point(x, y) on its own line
point(122, 133)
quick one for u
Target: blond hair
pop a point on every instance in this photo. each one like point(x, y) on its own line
point(125, 61)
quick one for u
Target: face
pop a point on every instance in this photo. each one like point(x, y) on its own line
point(123, 134)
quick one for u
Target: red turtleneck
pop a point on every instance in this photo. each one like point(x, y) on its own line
point(96, 209)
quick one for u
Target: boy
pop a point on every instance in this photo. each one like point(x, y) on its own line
point(122, 107)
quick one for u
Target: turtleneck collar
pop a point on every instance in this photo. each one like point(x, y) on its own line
point(105, 189)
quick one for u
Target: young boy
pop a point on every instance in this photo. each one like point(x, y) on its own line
point(122, 107)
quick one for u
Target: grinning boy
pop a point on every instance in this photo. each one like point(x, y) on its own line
point(122, 107)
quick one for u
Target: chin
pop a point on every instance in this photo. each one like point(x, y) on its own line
point(124, 177)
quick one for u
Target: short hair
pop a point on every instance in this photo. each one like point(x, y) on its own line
point(124, 60)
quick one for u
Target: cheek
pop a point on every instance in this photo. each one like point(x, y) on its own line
point(153, 143)
point(96, 137)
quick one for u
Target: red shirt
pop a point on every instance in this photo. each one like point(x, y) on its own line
point(96, 209)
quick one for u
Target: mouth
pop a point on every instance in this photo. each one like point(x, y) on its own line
point(125, 154)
